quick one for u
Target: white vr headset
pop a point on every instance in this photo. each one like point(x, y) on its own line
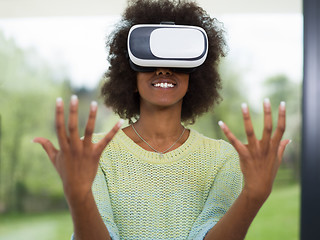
point(179, 47)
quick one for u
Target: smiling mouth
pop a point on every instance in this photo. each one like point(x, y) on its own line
point(163, 85)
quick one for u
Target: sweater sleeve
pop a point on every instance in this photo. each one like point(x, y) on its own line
point(102, 198)
point(224, 190)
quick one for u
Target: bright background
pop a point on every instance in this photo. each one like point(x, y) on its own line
point(260, 44)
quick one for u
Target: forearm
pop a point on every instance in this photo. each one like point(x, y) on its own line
point(86, 218)
point(235, 223)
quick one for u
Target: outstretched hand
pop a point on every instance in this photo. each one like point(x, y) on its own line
point(77, 160)
point(260, 159)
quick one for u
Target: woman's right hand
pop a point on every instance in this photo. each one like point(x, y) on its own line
point(78, 159)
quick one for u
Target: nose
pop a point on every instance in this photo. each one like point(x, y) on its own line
point(164, 71)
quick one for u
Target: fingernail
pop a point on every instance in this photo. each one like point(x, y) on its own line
point(290, 141)
point(283, 105)
point(244, 107)
point(221, 124)
point(74, 99)
point(121, 121)
point(266, 102)
point(94, 105)
point(59, 101)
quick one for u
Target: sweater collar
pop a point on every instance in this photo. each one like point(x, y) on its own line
point(153, 157)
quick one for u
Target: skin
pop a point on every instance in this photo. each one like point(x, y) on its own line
point(160, 110)
point(259, 162)
point(160, 125)
point(81, 157)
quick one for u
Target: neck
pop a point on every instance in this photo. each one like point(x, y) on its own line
point(160, 123)
point(161, 129)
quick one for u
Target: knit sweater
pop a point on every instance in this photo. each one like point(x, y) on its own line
point(179, 195)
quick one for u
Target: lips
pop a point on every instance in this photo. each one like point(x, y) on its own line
point(164, 83)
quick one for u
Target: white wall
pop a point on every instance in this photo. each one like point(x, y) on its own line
point(39, 8)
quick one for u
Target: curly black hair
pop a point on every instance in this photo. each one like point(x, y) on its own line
point(119, 89)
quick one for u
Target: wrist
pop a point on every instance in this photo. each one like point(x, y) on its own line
point(77, 195)
point(255, 196)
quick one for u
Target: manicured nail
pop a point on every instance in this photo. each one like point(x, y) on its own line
point(119, 124)
point(94, 105)
point(266, 102)
point(221, 124)
point(59, 101)
point(283, 105)
point(244, 108)
point(74, 99)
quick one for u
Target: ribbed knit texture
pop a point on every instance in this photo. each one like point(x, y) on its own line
point(181, 195)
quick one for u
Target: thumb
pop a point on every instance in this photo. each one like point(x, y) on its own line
point(48, 147)
point(104, 142)
point(282, 146)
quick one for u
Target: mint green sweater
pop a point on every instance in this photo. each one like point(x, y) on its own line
point(181, 195)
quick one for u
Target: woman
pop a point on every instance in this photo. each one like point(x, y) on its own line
point(156, 179)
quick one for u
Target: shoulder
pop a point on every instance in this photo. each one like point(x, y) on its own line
point(96, 137)
point(115, 142)
point(219, 149)
point(218, 144)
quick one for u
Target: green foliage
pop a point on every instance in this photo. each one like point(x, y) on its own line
point(280, 88)
point(28, 90)
point(48, 226)
point(228, 110)
point(278, 219)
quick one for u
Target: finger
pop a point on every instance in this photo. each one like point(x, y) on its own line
point(267, 130)
point(248, 125)
point(73, 122)
point(60, 126)
point(104, 142)
point(282, 147)
point(90, 124)
point(48, 147)
point(281, 126)
point(232, 139)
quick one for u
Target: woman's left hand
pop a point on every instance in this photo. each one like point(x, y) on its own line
point(260, 159)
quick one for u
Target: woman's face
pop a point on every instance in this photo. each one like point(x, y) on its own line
point(162, 88)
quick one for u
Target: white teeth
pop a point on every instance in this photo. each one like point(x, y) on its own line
point(164, 85)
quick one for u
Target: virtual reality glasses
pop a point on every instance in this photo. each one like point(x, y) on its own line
point(181, 48)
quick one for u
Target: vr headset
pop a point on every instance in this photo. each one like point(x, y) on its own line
point(181, 48)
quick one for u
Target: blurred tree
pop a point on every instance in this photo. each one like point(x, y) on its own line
point(281, 88)
point(228, 110)
point(28, 88)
